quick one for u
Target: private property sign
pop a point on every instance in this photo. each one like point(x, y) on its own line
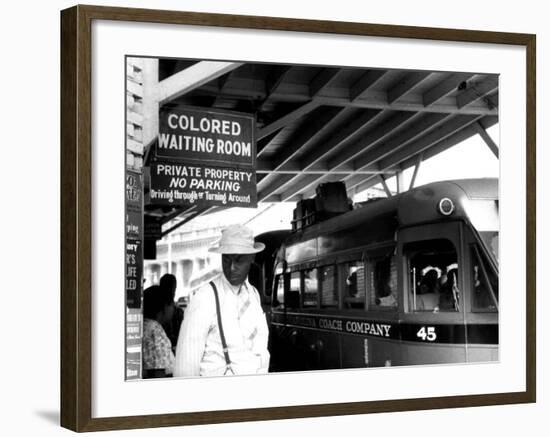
point(199, 136)
point(204, 157)
point(173, 184)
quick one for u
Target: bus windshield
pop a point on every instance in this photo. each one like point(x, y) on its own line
point(490, 240)
point(484, 216)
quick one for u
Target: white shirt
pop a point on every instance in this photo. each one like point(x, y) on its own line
point(199, 351)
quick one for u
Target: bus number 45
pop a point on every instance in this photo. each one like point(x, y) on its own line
point(427, 333)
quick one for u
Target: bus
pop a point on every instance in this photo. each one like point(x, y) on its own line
point(407, 280)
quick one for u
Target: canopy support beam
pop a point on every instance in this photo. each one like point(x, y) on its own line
point(488, 140)
point(385, 186)
point(400, 181)
point(191, 78)
point(415, 172)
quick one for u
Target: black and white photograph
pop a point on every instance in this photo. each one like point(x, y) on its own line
point(275, 218)
point(300, 218)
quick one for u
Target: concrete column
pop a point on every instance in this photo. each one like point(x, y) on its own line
point(150, 100)
point(177, 272)
point(400, 181)
point(153, 275)
point(163, 269)
point(148, 275)
point(187, 266)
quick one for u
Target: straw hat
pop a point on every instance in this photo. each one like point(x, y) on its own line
point(237, 239)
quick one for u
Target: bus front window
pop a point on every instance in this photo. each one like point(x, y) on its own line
point(433, 276)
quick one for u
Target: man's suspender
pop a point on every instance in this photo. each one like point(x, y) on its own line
point(220, 327)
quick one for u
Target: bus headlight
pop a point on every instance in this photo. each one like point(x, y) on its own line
point(446, 206)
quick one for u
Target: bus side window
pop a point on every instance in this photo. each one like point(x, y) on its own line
point(485, 284)
point(354, 285)
point(311, 288)
point(383, 283)
point(278, 291)
point(433, 275)
point(329, 289)
point(293, 293)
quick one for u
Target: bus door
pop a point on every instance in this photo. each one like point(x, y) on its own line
point(282, 342)
point(293, 342)
point(481, 301)
point(316, 320)
point(304, 334)
point(433, 276)
point(331, 323)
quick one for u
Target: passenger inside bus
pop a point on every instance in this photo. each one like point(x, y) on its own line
point(448, 297)
point(428, 291)
point(351, 283)
point(429, 283)
point(354, 291)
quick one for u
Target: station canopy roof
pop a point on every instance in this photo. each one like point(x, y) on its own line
point(320, 124)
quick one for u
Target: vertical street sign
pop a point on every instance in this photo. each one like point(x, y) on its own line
point(134, 272)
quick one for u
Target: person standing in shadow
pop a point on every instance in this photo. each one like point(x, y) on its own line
point(157, 355)
point(172, 327)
